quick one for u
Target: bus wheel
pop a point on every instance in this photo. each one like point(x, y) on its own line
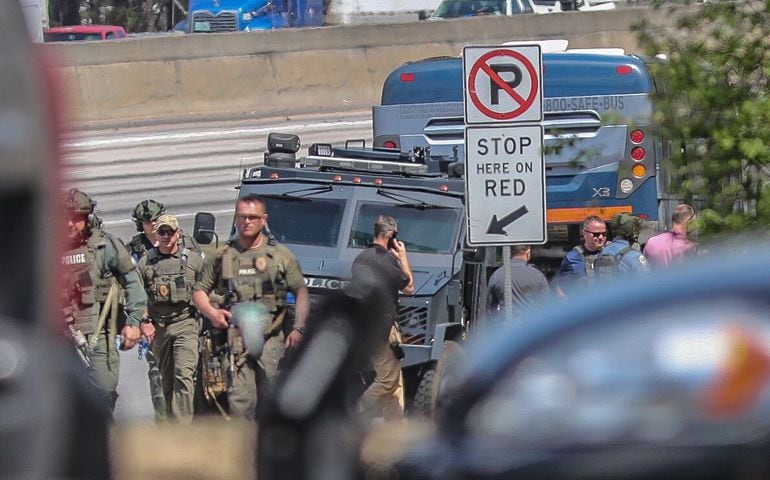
point(447, 375)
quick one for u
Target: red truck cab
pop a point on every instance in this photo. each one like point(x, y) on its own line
point(83, 32)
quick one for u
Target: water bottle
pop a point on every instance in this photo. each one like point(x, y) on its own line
point(118, 341)
point(290, 299)
point(143, 346)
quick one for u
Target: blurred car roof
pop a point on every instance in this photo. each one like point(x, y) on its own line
point(725, 290)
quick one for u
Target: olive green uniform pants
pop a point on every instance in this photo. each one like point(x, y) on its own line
point(176, 352)
point(105, 365)
point(251, 375)
point(156, 388)
point(385, 396)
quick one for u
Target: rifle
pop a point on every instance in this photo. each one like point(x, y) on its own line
point(230, 298)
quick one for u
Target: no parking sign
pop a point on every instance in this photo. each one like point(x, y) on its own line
point(503, 84)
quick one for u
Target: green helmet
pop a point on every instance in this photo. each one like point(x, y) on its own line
point(78, 202)
point(626, 225)
point(147, 211)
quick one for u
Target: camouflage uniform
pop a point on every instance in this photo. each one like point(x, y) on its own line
point(149, 211)
point(89, 269)
point(169, 280)
point(263, 274)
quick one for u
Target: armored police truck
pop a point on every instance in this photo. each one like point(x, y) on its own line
point(323, 207)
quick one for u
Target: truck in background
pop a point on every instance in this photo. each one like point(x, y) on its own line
point(213, 16)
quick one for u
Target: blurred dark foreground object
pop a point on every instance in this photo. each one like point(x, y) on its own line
point(307, 425)
point(53, 422)
point(666, 378)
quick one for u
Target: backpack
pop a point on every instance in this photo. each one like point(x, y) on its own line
point(601, 264)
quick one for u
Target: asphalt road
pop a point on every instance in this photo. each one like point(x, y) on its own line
point(190, 168)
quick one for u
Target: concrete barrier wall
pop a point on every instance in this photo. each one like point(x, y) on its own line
point(290, 71)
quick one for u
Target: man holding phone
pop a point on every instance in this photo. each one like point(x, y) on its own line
point(381, 271)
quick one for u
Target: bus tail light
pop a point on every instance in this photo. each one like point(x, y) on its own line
point(638, 162)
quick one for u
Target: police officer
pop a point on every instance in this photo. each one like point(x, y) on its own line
point(145, 216)
point(169, 272)
point(624, 246)
point(384, 269)
point(93, 261)
point(254, 267)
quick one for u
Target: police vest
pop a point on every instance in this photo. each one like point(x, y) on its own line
point(257, 276)
point(172, 277)
point(600, 263)
point(85, 287)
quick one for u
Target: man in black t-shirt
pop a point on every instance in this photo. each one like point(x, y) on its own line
point(528, 286)
point(381, 271)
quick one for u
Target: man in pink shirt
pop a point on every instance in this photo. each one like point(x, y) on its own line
point(668, 248)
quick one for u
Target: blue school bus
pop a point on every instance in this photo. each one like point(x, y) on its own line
point(602, 154)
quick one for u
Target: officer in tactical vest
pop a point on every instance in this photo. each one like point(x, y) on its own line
point(145, 216)
point(253, 267)
point(93, 265)
point(578, 266)
point(624, 246)
point(169, 272)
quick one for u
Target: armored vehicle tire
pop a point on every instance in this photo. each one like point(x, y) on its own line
point(446, 376)
point(423, 397)
point(438, 380)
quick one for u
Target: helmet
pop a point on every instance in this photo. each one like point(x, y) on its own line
point(78, 202)
point(626, 225)
point(147, 211)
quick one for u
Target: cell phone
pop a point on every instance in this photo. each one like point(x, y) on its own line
point(392, 241)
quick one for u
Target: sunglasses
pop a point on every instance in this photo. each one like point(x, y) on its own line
point(250, 218)
point(596, 234)
point(166, 232)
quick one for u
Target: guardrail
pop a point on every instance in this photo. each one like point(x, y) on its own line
point(189, 77)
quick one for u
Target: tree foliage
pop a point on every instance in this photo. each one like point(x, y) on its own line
point(134, 15)
point(713, 105)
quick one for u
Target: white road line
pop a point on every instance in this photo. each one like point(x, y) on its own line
point(124, 140)
point(181, 215)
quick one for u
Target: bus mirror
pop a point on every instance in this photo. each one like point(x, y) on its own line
point(204, 228)
point(474, 255)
